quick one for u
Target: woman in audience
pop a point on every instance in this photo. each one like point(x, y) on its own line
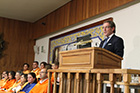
point(26, 68)
point(43, 65)
point(31, 82)
point(23, 83)
point(10, 82)
point(17, 76)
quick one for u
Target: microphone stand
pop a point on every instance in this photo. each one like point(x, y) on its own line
point(69, 44)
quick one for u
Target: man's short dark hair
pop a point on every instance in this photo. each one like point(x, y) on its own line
point(112, 24)
point(36, 62)
point(56, 64)
point(48, 66)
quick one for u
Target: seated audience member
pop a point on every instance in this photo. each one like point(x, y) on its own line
point(26, 68)
point(4, 78)
point(17, 76)
point(55, 66)
point(49, 66)
point(23, 83)
point(31, 82)
point(43, 65)
point(10, 82)
point(2, 75)
point(36, 69)
point(42, 85)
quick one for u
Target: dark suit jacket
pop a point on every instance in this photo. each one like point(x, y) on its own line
point(115, 45)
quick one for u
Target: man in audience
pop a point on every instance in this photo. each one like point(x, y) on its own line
point(42, 85)
point(9, 82)
point(4, 78)
point(54, 66)
point(36, 69)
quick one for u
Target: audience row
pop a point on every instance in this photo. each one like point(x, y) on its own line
point(26, 81)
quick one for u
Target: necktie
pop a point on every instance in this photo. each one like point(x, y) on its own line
point(105, 42)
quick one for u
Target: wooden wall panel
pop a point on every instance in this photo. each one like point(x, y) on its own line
point(61, 17)
point(40, 28)
point(106, 5)
point(30, 43)
point(54, 21)
point(85, 9)
point(64, 16)
point(19, 44)
point(92, 8)
point(73, 7)
point(74, 12)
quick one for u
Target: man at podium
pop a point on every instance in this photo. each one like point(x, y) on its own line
point(112, 42)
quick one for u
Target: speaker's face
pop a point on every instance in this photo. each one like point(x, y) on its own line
point(107, 29)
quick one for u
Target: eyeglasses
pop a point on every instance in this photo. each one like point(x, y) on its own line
point(106, 27)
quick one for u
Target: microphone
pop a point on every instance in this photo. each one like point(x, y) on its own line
point(83, 42)
point(69, 44)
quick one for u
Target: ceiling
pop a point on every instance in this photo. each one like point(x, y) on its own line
point(28, 10)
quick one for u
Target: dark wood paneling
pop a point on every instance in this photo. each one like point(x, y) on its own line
point(73, 8)
point(74, 12)
point(106, 5)
point(92, 8)
point(19, 44)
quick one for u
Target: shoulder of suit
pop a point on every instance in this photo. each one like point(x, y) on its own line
point(117, 37)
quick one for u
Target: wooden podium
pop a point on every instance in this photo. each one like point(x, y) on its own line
point(89, 58)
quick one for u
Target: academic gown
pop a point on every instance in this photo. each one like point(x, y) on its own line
point(37, 71)
point(41, 87)
point(28, 87)
point(26, 72)
point(9, 84)
point(14, 85)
